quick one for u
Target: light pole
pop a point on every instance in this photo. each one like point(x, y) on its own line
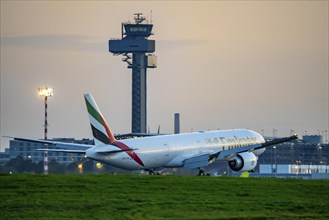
point(275, 166)
point(274, 131)
point(46, 92)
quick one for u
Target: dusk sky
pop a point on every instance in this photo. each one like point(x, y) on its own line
point(221, 65)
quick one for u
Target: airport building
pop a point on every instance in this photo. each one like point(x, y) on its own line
point(27, 150)
point(309, 150)
point(4, 157)
point(306, 156)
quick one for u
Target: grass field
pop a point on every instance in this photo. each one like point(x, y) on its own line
point(160, 197)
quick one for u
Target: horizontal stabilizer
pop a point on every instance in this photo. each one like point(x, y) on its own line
point(64, 145)
point(63, 151)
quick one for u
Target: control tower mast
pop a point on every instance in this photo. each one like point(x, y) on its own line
point(134, 45)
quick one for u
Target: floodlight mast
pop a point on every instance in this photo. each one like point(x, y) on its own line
point(46, 92)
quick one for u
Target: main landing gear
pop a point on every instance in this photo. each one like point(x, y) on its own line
point(152, 172)
point(202, 172)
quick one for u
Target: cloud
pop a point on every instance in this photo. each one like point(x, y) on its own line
point(55, 42)
point(81, 42)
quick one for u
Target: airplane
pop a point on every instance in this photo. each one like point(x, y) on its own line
point(239, 147)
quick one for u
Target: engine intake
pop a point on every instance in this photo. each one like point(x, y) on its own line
point(246, 161)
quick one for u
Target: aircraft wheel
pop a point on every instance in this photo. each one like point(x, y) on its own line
point(201, 172)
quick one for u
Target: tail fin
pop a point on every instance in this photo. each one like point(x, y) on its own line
point(101, 131)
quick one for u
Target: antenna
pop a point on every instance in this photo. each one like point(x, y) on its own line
point(151, 16)
point(139, 18)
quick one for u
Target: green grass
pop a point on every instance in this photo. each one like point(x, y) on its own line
point(160, 197)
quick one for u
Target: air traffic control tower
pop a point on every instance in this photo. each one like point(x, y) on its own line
point(136, 49)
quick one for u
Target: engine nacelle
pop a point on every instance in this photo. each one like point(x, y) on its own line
point(246, 161)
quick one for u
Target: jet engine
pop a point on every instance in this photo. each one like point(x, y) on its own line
point(246, 161)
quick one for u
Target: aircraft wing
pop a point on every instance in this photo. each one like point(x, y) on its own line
point(66, 147)
point(197, 161)
point(280, 140)
point(202, 160)
point(231, 153)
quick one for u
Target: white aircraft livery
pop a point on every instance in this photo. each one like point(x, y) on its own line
point(239, 147)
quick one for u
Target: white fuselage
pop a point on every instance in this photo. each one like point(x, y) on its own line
point(171, 150)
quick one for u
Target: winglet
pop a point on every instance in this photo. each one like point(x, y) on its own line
point(101, 131)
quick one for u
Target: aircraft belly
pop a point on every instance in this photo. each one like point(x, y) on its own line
point(124, 161)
